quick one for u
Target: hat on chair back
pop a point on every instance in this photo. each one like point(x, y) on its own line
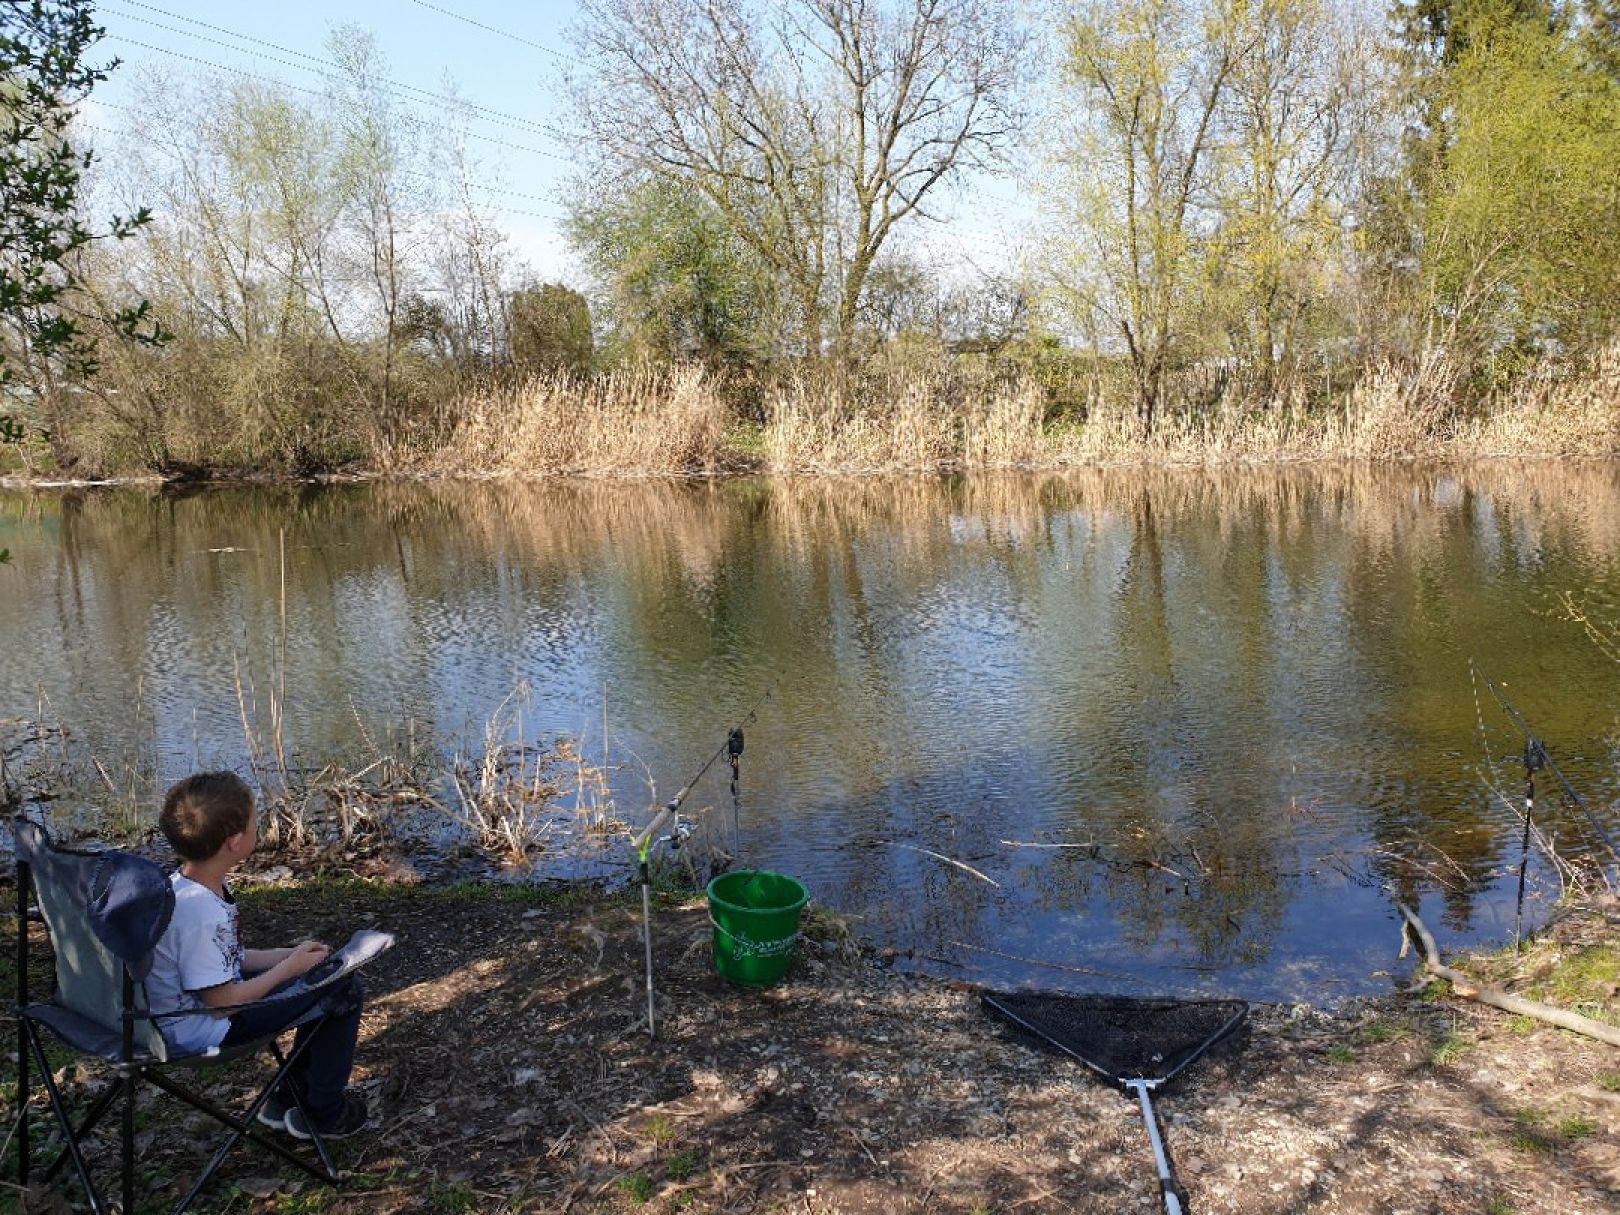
point(130, 903)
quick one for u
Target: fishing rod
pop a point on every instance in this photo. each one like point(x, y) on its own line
point(1536, 759)
point(670, 813)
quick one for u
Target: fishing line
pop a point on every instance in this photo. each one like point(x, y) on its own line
point(1536, 758)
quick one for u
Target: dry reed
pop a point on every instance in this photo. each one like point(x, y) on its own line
point(635, 422)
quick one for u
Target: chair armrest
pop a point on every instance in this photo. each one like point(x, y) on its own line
point(295, 989)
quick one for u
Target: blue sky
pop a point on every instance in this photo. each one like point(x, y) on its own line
point(506, 58)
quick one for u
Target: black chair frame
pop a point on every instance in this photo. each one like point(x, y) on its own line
point(132, 1066)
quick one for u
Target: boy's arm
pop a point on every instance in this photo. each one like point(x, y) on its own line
point(254, 960)
point(296, 961)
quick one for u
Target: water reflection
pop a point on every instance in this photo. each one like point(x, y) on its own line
point(1189, 722)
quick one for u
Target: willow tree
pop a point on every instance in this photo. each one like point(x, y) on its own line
point(1133, 188)
point(814, 127)
point(1520, 241)
point(675, 282)
point(1296, 109)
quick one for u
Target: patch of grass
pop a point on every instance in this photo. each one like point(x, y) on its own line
point(1584, 979)
point(1498, 1205)
point(1341, 1054)
point(682, 1165)
point(1448, 1048)
point(451, 1198)
point(1434, 991)
point(1609, 1082)
point(637, 1187)
point(1383, 1029)
point(1577, 1126)
point(1522, 1025)
point(660, 1128)
point(1528, 1117)
point(1530, 1143)
point(310, 1202)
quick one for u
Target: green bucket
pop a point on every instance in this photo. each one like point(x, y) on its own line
point(756, 921)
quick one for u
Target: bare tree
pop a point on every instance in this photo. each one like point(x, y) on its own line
point(815, 129)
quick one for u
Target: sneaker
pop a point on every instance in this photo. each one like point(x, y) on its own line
point(351, 1120)
point(273, 1113)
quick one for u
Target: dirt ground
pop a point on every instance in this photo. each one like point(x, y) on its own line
point(506, 1058)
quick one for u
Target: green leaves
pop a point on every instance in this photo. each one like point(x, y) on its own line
point(1520, 233)
point(42, 50)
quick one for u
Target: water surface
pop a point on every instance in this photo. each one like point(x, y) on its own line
point(1190, 724)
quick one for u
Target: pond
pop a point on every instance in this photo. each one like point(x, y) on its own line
point(1115, 730)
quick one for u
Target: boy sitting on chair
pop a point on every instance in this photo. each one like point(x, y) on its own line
point(210, 820)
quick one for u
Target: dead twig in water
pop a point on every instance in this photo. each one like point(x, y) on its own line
point(1012, 957)
point(949, 861)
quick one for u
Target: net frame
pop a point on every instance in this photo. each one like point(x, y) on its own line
point(1053, 1019)
point(1123, 1038)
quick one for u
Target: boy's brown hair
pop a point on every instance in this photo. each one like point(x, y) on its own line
point(204, 810)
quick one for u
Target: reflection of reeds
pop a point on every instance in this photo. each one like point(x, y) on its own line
point(41, 761)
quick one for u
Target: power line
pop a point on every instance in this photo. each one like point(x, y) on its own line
point(539, 198)
point(494, 30)
point(325, 66)
point(530, 129)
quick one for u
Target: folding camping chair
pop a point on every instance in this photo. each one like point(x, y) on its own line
point(105, 912)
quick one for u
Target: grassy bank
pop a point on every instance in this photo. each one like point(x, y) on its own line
point(505, 1059)
point(917, 413)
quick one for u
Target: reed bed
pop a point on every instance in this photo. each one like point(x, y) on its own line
point(929, 411)
point(636, 422)
point(504, 793)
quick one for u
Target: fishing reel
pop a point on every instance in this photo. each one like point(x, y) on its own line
point(1535, 756)
point(680, 830)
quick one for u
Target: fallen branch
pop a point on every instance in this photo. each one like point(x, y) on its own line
point(939, 856)
point(1496, 998)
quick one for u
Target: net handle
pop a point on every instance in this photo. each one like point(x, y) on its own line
point(1167, 1183)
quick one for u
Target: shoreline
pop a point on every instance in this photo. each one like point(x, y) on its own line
point(508, 1068)
point(1438, 460)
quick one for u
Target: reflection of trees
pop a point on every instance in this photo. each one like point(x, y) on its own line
point(1227, 673)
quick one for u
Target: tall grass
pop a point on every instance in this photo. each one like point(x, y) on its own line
point(917, 411)
point(635, 422)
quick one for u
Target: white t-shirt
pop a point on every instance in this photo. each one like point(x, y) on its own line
point(201, 948)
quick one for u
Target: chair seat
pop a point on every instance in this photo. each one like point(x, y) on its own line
point(92, 1038)
point(84, 1035)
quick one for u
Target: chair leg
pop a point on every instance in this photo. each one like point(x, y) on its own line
point(92, 1116)
point(240, 1128)
point(22, 1098)
point(79, 1165)
point(22, 1033)
point(128, 1138)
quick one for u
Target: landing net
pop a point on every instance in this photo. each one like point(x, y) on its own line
point(1120, 1038)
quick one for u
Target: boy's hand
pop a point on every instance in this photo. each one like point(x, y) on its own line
point(302, 958)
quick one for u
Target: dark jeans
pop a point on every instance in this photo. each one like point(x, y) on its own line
point(322, 1070)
